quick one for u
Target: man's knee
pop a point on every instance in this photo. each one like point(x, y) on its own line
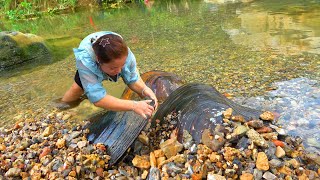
point(76, 88)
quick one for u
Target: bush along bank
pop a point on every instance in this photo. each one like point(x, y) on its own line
point(15, 10)
point(45, 145)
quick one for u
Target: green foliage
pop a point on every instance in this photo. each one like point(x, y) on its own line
point(23, 9)
point(17, 9)
point(14, 9)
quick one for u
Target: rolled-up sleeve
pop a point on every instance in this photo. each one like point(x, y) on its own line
point(92, 86)
point(130, 73)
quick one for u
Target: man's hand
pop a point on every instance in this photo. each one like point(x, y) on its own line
point(143, 108)
point(149, 93)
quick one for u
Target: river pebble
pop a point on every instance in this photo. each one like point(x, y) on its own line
point(296, 103)
point(57, 150)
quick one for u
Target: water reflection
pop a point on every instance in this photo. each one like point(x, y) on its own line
point(282, 32)
point(298, 103)
point(184, 37)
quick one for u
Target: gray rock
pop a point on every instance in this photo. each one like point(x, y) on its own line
point(243, 143)
point(12, 172)
point(57, 164)
point(154, 174)
point(268, 175)
point(257, 174)
point(275, 163)
point(193, 149)
point(73, 135)
point(171, 167)
point(214, 144)
point(271, 150)
point(250, 167)
point(314, 157)
point(18, 48)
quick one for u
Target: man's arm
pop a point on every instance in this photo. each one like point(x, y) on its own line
point(115, 104)
point(143, 90)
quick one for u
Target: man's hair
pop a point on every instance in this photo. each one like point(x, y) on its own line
point(109, 47)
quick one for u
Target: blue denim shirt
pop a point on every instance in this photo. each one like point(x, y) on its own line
point(91, 75)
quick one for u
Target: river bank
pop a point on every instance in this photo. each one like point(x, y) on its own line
point(43, 144)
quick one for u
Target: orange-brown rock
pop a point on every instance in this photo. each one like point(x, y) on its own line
point(214, 157)
point(72, 173)
point(295, 163)
point(47, 131)
point(160, 161)
point(196, 176)
point(285, 170)
point(45, 152)
point(228, 113)
point(141, 162)
point(153, 160)
point(278, 143)
point(267, 116)
point(264, 129)
point(262, 162)
point(238, 118)
point(144, 174)
point(171, 147)
point(219, 164)
point(303, 177)
point(101, 146)
point(246, 176)
point(280, 152)
point(2, 147)
point(197, 166)
point(230, 153)
point(270, 136)
point(158, 153)
point(99, 171)
point(24, 175)
point(144, 138)
point(204, 150)
point(61, 143)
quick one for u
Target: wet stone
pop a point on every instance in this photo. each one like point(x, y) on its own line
point(275, 163)
point(154, 174)
point(13, 172)
point(268, 175)
point(256, 138)
point(271, 150)
point(257, 174)
point(171, 147)
point(262, 161)
point(210, 140)
point(280, 152)
point(246, 176)
point(213, 176)
point(255, 123)
point(267, 116)
point(243, 143)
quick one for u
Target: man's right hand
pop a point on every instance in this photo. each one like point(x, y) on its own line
point(143, 108)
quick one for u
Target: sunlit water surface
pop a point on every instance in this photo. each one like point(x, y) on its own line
point(245, 50)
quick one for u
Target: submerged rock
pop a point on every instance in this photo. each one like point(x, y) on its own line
point(18, 48)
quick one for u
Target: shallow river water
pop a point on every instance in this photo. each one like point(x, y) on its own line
point(263, 54)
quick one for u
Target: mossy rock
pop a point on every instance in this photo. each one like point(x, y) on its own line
point(17, 49)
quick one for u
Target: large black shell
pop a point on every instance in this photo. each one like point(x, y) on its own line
point(117, 130)
point(200, 107)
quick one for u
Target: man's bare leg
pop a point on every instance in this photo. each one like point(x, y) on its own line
point(72, 98)
point(73, 94)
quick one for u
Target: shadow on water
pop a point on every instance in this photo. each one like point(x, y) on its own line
point(241, 49)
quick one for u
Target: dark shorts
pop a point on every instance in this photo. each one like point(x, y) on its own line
point(77, 79)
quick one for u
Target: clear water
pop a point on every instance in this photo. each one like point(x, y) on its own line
point(241, 49)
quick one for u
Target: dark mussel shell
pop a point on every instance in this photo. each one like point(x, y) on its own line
point(118, 130)
point(200, 107)
point(161, 83)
